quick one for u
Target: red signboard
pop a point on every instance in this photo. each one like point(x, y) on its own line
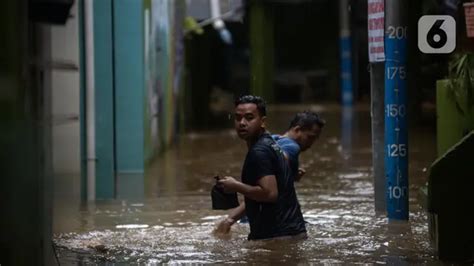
point(375, 29)
point(469, 13)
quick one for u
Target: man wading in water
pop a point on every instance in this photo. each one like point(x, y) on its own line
point(268, 188)
point(304, 130)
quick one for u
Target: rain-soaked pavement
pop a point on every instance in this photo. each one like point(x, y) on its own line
point(167, 218)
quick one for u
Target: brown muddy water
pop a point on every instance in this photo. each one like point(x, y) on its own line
point(166, 217)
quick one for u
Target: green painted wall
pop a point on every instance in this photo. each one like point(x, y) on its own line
point(119, 80)
point(139, 61)
point(104, 99)
point(129, 83)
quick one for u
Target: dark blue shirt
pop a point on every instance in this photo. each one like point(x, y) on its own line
point(280, 218)
point(292, 149)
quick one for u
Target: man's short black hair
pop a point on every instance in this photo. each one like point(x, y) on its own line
point(257, 100)
point(306, 120)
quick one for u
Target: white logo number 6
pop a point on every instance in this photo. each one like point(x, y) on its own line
point(436, 34)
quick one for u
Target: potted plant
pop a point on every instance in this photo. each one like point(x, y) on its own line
point(448, 174)
point(455, 119)
point(461, 82)
point(455, 95)
point(455, 101)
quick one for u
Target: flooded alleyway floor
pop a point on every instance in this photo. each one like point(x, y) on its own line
point(172, 221)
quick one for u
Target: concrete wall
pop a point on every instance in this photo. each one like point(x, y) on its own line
point(66, 95)
point(65, 106)
point(164, 69)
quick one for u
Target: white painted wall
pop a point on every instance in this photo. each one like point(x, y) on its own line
point(66, 96)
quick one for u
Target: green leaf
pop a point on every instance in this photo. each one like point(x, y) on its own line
point(461, 81)
point(191, 25)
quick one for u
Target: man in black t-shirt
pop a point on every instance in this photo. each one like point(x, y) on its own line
point(270, 198)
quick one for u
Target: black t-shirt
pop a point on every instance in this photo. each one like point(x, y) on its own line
point(280, 218)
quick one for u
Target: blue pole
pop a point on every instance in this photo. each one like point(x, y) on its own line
point(345, 46)
point(396, 131)
point(346, 70)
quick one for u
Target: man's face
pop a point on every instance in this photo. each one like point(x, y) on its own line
point(306, 137)
point(247, 121)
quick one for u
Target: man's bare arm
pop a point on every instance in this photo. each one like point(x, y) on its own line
point(223, 227)
point(237, 213)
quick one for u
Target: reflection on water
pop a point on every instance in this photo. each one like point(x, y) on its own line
point(347, 117)
point(173, 222)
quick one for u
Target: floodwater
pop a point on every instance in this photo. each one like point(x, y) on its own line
point(167, 218)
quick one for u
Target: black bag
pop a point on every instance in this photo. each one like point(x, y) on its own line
point(222, 200)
